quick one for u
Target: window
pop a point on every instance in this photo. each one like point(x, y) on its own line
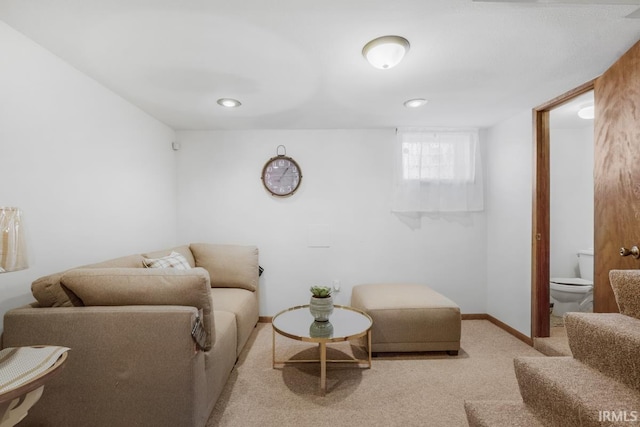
point(438, 171)
point(434, 156)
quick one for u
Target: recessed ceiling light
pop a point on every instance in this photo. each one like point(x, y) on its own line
point(229, 102)
point(587, 112)
point(385, 52)
point(415, 103)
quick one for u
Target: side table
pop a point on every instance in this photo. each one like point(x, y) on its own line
point(23, 373)
point(345, 323)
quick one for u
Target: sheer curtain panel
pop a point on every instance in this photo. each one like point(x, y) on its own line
point(437, 170)
point(13, 250)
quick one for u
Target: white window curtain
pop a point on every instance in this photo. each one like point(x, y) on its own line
point(13, 250)
point(437, 170)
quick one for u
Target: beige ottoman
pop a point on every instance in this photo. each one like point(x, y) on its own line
point(409, 317)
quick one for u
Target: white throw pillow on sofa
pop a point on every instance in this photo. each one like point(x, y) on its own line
point(173, 260)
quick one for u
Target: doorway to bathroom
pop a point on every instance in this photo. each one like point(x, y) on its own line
point(571, 208)
point(541, 227)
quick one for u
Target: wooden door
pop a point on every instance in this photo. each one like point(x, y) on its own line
point(616, 173)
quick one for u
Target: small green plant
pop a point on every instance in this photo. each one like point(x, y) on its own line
point(320, 291)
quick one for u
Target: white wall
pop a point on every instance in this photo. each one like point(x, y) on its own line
point(94, 176)
point(347, 180)
point(508, 197)
point(571, 159)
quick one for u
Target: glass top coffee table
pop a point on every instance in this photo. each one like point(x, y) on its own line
point(345, 323)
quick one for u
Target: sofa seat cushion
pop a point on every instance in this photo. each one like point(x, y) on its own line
point(229, 266)
point(243, 304)
point(141, 286)
point(219, 361)
point(48, 292)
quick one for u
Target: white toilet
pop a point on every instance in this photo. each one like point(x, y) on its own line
point(574, 293)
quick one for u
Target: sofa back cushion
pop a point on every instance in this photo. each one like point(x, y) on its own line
point(142, 286)
point(129, 261)
point(48, 292)
point(229, 266)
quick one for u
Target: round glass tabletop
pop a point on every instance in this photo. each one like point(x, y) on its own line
point(344, 323)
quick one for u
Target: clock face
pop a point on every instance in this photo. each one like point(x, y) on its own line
point(281, 176)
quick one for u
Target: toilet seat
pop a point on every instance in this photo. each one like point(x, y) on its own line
point(571, 281)
point(570, 285)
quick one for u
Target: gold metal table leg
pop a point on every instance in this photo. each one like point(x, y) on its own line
point(323, 367)
point(369, 345)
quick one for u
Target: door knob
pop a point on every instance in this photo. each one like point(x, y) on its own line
point(633, 251)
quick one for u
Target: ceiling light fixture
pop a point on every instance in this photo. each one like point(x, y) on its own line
point(587, 113)
point(415, 103)
point(385, 52)
point(229, 102)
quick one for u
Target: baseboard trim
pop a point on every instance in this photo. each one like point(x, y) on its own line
point(522, 337)
point(475, 316)
point(465, 316)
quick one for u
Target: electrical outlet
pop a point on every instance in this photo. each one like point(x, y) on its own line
point(336, 285)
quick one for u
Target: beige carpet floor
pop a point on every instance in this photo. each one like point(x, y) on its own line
point(556, 321)
point(557, 344)
point(424, 389)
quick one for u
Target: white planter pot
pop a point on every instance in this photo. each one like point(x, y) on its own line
point(321, 308)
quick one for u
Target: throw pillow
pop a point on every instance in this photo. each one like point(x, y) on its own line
point(173, 260)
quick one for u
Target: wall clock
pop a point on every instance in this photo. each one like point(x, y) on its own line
point(281, 175)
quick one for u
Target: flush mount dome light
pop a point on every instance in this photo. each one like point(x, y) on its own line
point(587, 112)
point(385, 52)
point(415, 103)
point(229, 102)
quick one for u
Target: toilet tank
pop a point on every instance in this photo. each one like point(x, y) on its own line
point(585, 264)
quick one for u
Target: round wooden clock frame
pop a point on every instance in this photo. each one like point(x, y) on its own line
point(281, 175)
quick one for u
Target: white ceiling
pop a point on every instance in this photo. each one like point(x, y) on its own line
point(298, 64)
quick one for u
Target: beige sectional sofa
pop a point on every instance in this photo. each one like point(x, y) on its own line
point(149, 346)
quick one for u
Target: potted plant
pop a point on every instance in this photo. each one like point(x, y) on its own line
point(321, 304)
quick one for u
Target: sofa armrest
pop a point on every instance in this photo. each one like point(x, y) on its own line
point(124, 361)
point(143, 286)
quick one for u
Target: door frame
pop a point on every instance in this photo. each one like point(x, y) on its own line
point(540, 229)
